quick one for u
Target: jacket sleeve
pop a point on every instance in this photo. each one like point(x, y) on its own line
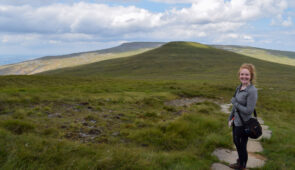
point(251, 102)
point(231, 113)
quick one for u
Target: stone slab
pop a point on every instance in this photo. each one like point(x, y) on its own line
point(253, 146)
point(266, 134)
point(225, 108)
point(255, 160)
point(219, 166)
point(258, 139)
point(260, 120)
point(264, 127)
point(226, 155)
point(229, 156)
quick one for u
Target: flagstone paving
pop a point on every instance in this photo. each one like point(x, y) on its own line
point(253, 147)
point(219, 166)
point(226, 155)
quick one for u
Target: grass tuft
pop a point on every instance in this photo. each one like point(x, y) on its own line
point(18, 126)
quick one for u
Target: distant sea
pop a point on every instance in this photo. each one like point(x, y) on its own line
point(6, 59)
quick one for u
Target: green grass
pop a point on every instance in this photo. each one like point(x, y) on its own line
point(124, 112)
point(114, 116)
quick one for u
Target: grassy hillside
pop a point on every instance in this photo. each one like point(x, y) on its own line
point(112, 114)
point(281, 57)
point(180, 60)
point(76, 59)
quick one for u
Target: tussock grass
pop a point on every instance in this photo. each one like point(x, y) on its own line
point(135, 130)
point(18, 126)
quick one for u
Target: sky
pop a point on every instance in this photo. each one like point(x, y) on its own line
point(36, 28)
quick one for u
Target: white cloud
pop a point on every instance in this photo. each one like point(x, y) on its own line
point(107, 20)
point(281, 21)
point(60, 23)
point(287, 22)
point(30, 2)
point(77, 18)
point(173, 1)
point(41, 45)
point(291, 3)
point(18, 38)
point(248, 37)
point(234, 37)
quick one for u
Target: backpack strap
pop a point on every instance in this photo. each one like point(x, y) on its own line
point(255, 114)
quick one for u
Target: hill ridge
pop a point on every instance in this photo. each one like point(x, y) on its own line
point(128, 46)
point(55, 62)
point(276, 56)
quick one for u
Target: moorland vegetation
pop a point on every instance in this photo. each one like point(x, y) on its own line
point(112, 114)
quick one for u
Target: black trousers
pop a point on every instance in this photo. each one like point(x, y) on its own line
point(241, 140)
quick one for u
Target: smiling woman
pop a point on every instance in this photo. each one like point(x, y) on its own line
point(244, 102)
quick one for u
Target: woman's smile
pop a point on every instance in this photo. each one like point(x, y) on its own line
point(245, 76)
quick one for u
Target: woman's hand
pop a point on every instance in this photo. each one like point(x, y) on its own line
point(230, 123)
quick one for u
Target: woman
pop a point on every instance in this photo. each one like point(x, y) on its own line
point(243, 102)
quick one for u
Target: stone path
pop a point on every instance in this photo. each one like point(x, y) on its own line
point(225, 108)
point(226, 155)
point(254, 147)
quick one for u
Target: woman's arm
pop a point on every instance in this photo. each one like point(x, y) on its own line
point(251, 102)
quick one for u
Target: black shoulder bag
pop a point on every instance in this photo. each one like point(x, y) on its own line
point(252, 127)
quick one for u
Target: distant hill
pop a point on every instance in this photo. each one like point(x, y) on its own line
point(179, 60)
point(55, 62)
point(276, 56)
point(125, 47)
point(49, 63)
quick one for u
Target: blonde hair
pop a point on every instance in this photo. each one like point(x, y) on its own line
point(251, 69)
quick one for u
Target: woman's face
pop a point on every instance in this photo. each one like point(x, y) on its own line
point(245, 76)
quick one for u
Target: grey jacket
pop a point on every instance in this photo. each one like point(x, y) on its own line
point(245, 103)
